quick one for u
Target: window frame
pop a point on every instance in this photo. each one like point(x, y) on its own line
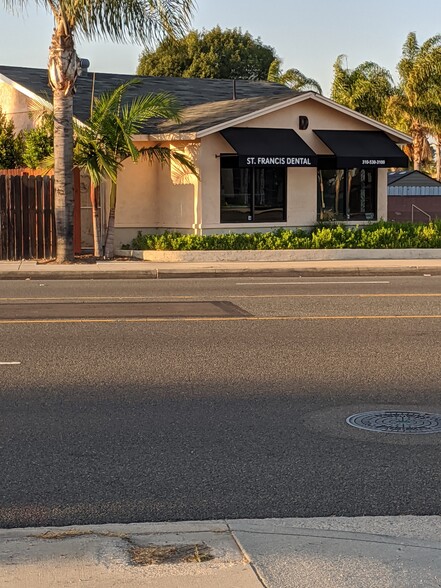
point(346, 213)
point(253, 170)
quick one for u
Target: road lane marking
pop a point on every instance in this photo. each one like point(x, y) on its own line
point(218, 319)
point(303, 283)
point(10, 362)
point(223, 297)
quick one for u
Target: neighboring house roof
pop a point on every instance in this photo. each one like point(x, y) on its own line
point(411, 178)
point(208, 105)
point(412, 183)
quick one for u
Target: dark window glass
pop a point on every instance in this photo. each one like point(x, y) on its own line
point(331, 194)
point(269, 194)
point(236, 195)
point(362, 194)
point(252, 194)
point(347, 194)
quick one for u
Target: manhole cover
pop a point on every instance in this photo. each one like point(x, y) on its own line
point(392, 421)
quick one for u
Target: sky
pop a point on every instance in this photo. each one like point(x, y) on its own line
point(306, 34)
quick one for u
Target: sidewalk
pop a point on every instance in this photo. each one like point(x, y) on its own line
point(123, 270)
point(369, 552)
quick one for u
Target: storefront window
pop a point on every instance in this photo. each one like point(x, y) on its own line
point(252, 194)
point(347, 194)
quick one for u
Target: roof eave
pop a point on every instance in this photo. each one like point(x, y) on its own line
point(147, 138)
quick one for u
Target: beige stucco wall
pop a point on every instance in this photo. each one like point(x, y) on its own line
point(137, 202)
point(302, 182)
point(321, 117)
point(16, 106)
point(382, 194)
point(178, 191)
point(154, 197)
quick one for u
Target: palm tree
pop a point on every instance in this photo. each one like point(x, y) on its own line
point(106, 141)
point(293, 78)
point(366, 89)
point(92, 155)
point(118, 20)
point(417, 101)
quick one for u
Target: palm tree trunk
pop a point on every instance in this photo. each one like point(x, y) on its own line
point(63, 175)
point(110, 235)
point(438, 157)
point(63, 71)
point(418, 146)
point(95, 221)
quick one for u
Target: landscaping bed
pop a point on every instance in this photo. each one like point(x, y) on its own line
point(381, 235)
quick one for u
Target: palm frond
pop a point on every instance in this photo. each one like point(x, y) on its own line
point(275, 71)
point(140, 21)
point(109, 102)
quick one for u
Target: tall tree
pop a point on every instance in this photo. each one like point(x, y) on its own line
point(293, 78)
point(434, 127)
point(222, 54)
point(366, 89)
point(118, 20)
point(417, 100)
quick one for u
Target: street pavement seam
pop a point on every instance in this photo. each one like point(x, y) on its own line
point(247, 559)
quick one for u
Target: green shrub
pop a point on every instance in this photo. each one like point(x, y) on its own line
point(381, 235)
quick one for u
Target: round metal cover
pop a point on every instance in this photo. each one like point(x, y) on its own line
point(399, 422)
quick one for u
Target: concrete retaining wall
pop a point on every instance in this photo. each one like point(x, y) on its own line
point(283, 255)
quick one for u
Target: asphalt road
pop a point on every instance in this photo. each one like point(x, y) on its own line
point(187, 400)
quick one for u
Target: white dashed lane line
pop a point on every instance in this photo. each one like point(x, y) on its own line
point(303, 283)
point(10, 362)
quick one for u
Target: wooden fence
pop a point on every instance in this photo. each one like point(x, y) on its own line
point(27, 220)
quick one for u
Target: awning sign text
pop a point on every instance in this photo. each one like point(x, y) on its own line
point(277, 161)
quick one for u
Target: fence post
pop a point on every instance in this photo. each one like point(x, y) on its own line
point(3, 220)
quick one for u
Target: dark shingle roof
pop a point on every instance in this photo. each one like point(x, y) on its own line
point(205, 102)
point(411, 178)
point(203, 116)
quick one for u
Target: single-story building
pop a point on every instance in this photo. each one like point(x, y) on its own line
point(413, 196)
point(267, 156)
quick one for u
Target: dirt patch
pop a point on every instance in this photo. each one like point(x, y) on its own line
point(170, 554)
point(86, 258)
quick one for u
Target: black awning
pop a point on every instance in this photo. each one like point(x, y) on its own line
point(269, 147)
point(363, 149)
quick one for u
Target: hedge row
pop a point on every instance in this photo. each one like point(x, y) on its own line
point(381, 235)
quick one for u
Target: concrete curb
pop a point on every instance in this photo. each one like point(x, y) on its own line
point(160, 273)
point(149, 274)
point(280, 255)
